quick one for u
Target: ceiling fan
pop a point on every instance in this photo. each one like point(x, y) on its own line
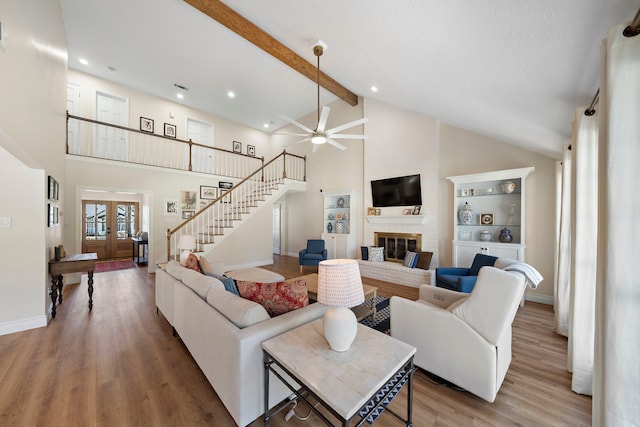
point(319, 135)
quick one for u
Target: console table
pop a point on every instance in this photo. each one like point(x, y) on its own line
point(76, 263)
point(137, 242)
point(351, 384)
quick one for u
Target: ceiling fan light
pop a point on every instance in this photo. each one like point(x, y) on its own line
point(318, 139)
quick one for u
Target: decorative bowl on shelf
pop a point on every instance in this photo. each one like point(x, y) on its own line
point(485, 236)
point(508, 187)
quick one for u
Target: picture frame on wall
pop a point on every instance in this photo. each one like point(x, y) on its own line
point(188, 214)
point(208, 193)
point(225, 186)
point(146, 125)
point(50, 215)
point(188, 199)
point(170, 207)
point(169, 130)
point(237, 147)
point(251, 150)
point(416, 210)
point(51, 190)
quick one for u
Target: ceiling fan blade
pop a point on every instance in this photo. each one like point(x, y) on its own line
point(348, 136)
point(324, 115)
point(298, 142)
point(347, 126)
point(336, 144)
point(291, 134)
point(295, 123)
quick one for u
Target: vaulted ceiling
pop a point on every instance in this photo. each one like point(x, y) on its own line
point(513, 70)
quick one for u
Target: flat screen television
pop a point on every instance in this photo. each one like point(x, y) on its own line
point(398, 191)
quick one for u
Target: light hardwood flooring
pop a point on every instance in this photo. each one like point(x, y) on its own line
point(119, 365)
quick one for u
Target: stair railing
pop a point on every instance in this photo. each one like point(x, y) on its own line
point(233, 204)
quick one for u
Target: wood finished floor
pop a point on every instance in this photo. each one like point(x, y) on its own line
point(120, 366)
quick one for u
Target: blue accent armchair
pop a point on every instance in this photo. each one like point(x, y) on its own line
point(463, 279)
point(313, 253)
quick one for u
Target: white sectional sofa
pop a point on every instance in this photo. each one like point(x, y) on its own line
point(223, 333)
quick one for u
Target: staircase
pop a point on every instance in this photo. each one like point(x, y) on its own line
point(217, 221)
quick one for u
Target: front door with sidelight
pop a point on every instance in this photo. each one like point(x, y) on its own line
point(107, 227)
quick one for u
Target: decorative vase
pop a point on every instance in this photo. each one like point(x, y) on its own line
point(339, 227)
point(466, 214)
point(505, 235)
point(329, 228)
point(508, 187)
point(63, 253)
point(330, 216)
point(485, 236)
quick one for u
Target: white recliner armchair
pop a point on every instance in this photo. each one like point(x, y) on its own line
point(463, 338)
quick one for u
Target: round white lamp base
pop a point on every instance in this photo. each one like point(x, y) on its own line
point(340, 328)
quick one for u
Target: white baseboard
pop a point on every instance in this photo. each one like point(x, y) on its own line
point(542, 299)
point(23, 325)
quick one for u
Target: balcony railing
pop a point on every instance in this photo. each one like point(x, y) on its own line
point(101, 140)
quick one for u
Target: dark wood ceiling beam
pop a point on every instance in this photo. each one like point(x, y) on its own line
point(228, 17)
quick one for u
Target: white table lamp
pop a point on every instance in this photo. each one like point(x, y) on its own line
point(187, 244)
point(340, 287)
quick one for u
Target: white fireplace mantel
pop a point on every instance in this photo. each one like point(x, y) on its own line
point(395, 219)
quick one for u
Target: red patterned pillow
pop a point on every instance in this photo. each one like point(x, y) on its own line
point(276, 297)
point(192, 263)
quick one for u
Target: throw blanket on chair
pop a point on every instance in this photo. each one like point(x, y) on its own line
point(531, 274)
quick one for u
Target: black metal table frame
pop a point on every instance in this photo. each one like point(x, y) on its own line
point(304, 392)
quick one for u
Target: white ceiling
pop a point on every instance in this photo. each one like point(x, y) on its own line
point(514, 70)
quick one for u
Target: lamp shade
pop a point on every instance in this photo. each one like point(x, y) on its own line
point(187, 242)
point(339, 283)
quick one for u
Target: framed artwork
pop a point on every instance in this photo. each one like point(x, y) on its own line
point(146, 125)
point(486, 219)
point(378, 211)
point(408, 211)
point(49, 215)
point(416, 210)
point(55, 216)
point(208, 193)
point(225, 185)
point(51, 190)
point(170, 207)
point(188, 199)
point(169, 130)
point(237, 147)
point(56, 190)
point(251, 150)
point(188, 214)
point(371, 211)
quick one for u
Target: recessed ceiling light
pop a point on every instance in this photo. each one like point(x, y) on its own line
point(83, 61)
point(180, 96)
point(231, 94)
point(374, 88)
point(266, 125)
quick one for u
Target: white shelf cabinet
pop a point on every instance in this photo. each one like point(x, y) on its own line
point(494, 209)
point(339, 212)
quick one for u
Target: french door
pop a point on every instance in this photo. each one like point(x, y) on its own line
point(107, 227)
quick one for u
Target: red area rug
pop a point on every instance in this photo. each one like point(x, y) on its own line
point(114, 265)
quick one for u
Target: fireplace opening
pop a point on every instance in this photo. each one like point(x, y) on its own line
point(396, 245)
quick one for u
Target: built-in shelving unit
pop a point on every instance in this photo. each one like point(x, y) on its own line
point(339, 222)
point(497, 202)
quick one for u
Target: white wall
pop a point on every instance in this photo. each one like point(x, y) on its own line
point(33, 67)
point(402, 143)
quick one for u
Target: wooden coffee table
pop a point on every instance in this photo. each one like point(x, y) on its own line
point(361, 311)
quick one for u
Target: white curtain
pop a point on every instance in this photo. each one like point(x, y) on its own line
point(616, 396)
point(562, 291)
point(584, 252)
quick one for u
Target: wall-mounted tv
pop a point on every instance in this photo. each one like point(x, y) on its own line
point(398, 191)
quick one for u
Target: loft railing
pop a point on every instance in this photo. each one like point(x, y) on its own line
point(96, 139)
point(230, 206)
